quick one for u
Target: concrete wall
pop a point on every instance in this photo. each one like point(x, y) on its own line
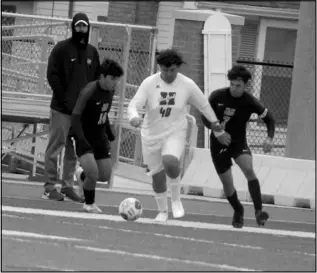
point(301, 131)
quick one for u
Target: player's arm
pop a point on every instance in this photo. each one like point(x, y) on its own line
point(54, 72)
point(265, 115)
point(77, 128)
point(213, 103)
point(198, 99)
point(109, 132)
point(137, 103)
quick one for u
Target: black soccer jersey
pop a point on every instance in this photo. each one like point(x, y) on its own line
point(234, 113)
point(90, 115)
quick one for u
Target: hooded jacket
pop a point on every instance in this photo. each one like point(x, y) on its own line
point(71, 66)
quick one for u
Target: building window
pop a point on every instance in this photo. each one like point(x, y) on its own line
point(101, 18)
point(276, 43)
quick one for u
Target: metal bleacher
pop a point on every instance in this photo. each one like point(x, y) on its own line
point(26, 94)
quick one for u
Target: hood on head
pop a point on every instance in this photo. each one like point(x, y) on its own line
point(78, 36)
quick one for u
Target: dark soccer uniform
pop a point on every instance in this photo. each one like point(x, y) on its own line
point(233, 114)
point(90, 123)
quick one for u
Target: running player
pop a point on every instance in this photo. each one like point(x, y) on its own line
point(165, 96)
point(234, 106)
point(91, 131)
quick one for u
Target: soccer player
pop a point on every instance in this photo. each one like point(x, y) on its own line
point(72, 64)
point(91, 131)
point(233, 106)
point(166, 96)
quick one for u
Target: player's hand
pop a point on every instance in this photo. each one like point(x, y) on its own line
point(135, 122)
point(224, 139)
point(267, 145)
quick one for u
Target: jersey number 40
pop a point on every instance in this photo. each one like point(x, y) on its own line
point(165, 112)
point(167, 99)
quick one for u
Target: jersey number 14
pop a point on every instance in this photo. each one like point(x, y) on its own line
point(102, 118)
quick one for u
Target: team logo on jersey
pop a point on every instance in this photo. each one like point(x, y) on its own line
point(228, 114)
point(89, 61)
point(229, 111)
point(167, 98)
point(158, 86)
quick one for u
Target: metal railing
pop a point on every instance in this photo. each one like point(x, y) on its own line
point(271, 83)
point(27, 41)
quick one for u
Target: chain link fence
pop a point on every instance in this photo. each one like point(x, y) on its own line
point(27, 41)
point(271, 83)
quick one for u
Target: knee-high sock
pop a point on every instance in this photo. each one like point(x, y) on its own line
point(255, 192)
point(161, 201)
point(175, 188)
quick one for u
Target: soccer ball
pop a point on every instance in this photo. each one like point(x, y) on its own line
point(130, 209)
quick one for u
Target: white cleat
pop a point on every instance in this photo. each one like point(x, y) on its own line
point(93, 208)
point(80, 190)
point(178, 209)
point(161, 217)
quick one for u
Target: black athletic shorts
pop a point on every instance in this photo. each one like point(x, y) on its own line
point(221, 155)
point(99, 145)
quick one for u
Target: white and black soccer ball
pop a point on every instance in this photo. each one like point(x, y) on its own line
point(130, 209)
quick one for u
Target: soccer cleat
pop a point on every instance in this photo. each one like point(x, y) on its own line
point(93, 208)
point(178, 209)
point(237, 220)
point(70, 194)
point(161, 217)
point(52, 195)
point(261, 217)
point(80, 182)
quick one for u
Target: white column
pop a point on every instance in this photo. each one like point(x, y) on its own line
point(217, 56)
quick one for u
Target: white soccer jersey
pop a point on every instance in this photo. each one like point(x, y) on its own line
point(166, 105)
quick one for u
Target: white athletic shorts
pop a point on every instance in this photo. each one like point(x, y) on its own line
point(173, 144)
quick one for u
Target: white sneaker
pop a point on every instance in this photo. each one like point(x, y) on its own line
point(93, 208)
point(178, 209)
point(161, 217)
point(80, 182)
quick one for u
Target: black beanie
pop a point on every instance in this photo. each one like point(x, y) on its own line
point(78, 36)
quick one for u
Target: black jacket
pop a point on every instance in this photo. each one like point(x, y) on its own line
point(70, 68)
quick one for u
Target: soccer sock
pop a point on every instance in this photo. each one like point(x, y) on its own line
point(161, 201)
point(89, 196)
point(234, 202)
point(255, 192)
point(175, 188)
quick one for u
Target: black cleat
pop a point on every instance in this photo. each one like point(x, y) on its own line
point(237, 220)
point(261, 217)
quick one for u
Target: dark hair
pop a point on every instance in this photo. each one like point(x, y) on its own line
point(111, 67)
point(239, 72)
point(168, 57)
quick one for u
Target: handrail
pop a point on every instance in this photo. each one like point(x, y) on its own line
point(66, 20)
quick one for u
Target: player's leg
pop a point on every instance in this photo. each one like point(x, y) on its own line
point(244, 161)
point(172, 152)
point(69, 168)
point(102, 152)
point(160, 190)
point(91, 175)
point(221, 158)
point(152, 157)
